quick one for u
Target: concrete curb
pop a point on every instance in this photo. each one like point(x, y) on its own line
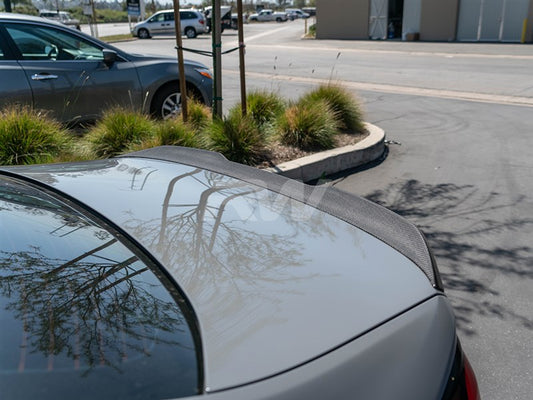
point(332, 161)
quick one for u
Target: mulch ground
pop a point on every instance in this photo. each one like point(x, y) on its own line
point(279, 153)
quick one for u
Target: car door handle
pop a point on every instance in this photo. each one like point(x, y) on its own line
point(43, 77)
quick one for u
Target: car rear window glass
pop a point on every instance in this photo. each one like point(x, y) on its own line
point(187, 15)
point(83, 314)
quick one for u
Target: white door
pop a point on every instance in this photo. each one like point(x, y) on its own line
point(379, 11)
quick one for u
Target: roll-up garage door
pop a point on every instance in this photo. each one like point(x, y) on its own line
point(491, 20)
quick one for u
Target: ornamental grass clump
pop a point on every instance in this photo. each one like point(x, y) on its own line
point(119, 130)
point(238, 138)
point(175, 132)
point(170, 132)
point(198, 116)
point(308, 125)
point(264, 107)
point(342, 102)
point(30, 137)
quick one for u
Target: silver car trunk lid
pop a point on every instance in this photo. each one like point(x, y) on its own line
point(274, 282)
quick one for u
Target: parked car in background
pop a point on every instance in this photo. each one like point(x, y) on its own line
point(235, 20)
point(267, 16)
point(76, 77)
point(295, 13)
point(174, 273)
point(226, 18)
point(193, 23)
point(310, 10)
point(61, 16)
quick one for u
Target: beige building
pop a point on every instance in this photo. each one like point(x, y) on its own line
point(431, 20)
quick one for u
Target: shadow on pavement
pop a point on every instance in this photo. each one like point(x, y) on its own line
point(470, 239)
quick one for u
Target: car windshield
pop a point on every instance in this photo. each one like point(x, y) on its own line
point(65, 16)
point(82, 314)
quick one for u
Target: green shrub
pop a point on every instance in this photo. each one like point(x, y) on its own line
point(103, 15)
point(24, 9)
point(30, 137)
point(238, 138)
point(309, 125)
point(119, 130)
point(342, 103)
point(312, 30)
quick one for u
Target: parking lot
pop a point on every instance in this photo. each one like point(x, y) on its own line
point(459, 165)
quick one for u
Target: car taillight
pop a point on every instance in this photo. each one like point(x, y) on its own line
point(472, 389)
point(201, 21)
point(462, 383)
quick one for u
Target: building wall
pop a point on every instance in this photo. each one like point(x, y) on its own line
point(438, 20)
point(342, 19)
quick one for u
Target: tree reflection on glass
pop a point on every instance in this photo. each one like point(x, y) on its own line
point(74, 298)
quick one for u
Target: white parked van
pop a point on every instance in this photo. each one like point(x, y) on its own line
point(193, 23)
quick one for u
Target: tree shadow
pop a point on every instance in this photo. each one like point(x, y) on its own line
point(470, 235)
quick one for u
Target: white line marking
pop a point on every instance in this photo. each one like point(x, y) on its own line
point(404, 53)
point(397, 89)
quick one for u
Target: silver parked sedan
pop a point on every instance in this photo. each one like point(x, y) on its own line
point(174, 273)
point(77, 77)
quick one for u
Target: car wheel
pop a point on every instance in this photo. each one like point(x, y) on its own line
point(143, 34)
point(190, 33)
point(167, 102)
point(278, 19)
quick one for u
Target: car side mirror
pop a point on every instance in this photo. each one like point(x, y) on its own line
point(110, 56)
